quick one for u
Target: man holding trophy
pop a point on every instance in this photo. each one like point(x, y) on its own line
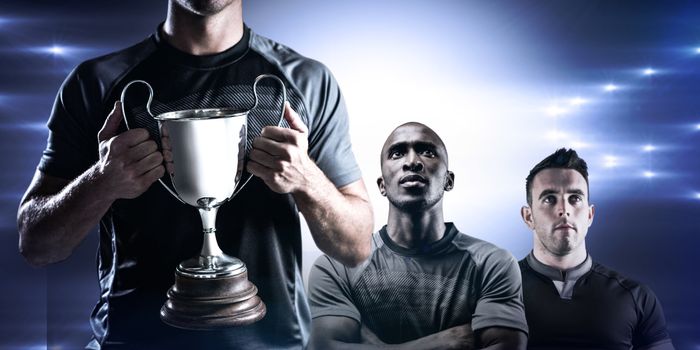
point(199, 136)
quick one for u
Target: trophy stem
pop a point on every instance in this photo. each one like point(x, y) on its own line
point(210, 247)
point(212, 291)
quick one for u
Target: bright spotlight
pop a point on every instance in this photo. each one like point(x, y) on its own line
point(610, 161)
point(697, 50)
point(56, 50)
point(556, 135)
point(648, 174)
point(649, 148)
point(577, 101)
point(610, 87)
point(649, 71)
point(555, 111)
point(697, 195)
point(697, 127)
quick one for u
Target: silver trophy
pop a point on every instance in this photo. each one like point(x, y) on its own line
point(204, 151)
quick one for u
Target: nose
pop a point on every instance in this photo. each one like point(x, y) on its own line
point(413, 162)
point(564, 209)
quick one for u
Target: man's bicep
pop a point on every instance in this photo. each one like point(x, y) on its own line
point(355, 189)
point(500, 338)
point(328, 329)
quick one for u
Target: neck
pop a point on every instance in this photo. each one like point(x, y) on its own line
point(203, 35)
point(561, 262)
point(414, 229)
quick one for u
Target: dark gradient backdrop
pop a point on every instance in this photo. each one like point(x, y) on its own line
point(504, 83)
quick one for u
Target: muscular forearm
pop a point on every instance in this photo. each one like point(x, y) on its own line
point(51, 226)
point(341, 224)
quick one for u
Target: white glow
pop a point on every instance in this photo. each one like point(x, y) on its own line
point(649, 71)
point(697, 127)
point(649, 148)
point(577, 101)
point(697, 50)
point(697, 195)
point(648, 174)
point(577, 145)
point(610, 87)
point(610, 161)
point(556, 135)
point(555, 111)
point(56, 50)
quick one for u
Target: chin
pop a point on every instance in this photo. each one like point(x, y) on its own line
point(205, 7)
point(411, 205)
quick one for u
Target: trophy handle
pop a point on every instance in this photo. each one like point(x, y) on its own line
point(255, 104)
point(148, 110)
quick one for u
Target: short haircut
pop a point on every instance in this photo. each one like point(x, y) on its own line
point(439, 144)
point(561, 159)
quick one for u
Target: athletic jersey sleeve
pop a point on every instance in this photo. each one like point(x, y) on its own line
point(651, 332)
point(329, 136)
point(329, 290)
point(323, 106)
point(500, 303)
point(72, 141)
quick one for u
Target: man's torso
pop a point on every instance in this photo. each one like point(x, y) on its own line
point(605, 311)
point(142, 240)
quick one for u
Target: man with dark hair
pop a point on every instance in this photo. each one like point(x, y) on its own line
point(94, 171)
point(572, 302)
point(426, 285)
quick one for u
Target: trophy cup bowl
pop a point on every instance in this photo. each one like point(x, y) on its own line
point(204, 155)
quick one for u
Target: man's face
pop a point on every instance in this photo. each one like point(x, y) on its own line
point(205, 7)
point(560, 213)
point(414, 168)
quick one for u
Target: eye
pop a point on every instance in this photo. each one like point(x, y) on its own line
point(428, 153)
point(395, 154)
point(575, 199)
point(549, 200)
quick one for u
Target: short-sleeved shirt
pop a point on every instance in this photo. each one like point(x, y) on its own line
point(600, 310)
point(403, 294)
point(142, 240)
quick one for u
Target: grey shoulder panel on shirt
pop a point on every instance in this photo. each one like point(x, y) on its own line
point(480, 250)
point(323, 108)
point(305, 75)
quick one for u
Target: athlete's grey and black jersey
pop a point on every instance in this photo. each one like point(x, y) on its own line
point(142, 240)
point(589, 307)
point(404, 294)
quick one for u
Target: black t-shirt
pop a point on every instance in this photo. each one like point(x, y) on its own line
point(142, 240)
point(403, 294)
point(604, 310)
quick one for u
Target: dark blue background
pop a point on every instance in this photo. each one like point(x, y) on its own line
point(646, 228)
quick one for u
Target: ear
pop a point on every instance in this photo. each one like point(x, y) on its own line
point(382, 188)
point(591, 214)
point(449, 181)
point(526, 214)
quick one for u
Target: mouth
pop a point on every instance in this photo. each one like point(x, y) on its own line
point(413, 179)
point(565, 226)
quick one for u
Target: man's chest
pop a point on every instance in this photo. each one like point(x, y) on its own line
point(404, 299)
point(595, 317)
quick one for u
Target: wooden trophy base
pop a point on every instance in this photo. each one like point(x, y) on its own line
point(208, 303)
